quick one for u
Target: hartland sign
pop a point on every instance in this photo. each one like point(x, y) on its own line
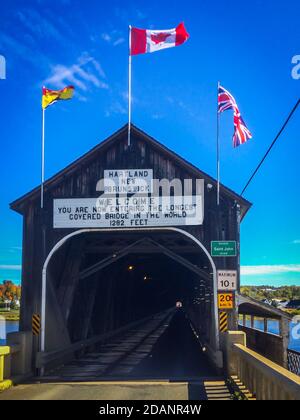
point(128, 202)
point(128, 181)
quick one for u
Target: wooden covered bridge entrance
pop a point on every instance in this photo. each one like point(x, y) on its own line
point(105, 270)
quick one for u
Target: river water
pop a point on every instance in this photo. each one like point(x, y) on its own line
point(273, 328)
point(7, 327)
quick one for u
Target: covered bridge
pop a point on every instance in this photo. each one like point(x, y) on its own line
point(92, 266)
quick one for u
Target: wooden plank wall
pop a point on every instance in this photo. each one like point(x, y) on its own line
point(82, 183)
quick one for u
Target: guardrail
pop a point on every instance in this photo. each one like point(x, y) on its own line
point(294, 361)
point(5, 365)
point(265, 379)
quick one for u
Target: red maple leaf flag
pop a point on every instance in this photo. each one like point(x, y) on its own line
point(148, 41)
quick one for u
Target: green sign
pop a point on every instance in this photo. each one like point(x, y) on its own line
point(223, 248)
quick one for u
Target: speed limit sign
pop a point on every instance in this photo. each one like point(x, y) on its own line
point(226, 300)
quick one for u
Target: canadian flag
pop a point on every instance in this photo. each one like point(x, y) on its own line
point(148, 41)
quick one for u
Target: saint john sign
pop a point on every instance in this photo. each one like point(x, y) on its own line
point(223, 248)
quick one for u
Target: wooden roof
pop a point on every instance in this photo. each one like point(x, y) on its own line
point(20, 204)
point(250, 306)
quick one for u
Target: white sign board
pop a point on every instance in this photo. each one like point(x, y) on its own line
point(128, 181)
point(136, 211)
point(227, 280)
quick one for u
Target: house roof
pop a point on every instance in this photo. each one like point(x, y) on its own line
point(19, 204)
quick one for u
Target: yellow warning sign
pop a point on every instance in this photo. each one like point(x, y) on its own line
point(226, 300)
point(223, 322)
point(36, 324)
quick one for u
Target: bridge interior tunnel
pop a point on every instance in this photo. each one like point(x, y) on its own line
point(107, 281)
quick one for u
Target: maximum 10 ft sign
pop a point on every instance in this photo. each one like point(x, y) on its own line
point(227, 280)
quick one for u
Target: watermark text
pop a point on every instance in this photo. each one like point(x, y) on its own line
point(296, 68)
point(2, 67)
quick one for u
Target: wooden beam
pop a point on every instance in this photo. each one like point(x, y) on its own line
point(113, 258)
point(89, 307)
point(181, 260)
point(69, 277)
point(139, 250)
point(57, 330)
point(109, 260)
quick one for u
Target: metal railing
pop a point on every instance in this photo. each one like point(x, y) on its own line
point(294, 361)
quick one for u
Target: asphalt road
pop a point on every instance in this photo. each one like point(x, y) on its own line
point(99, 391)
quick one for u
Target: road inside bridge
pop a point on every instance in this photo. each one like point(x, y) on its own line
point(177, 354)
point(164, 347)
point(162, 360)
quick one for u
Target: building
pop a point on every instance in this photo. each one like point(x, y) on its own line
point(77, 249)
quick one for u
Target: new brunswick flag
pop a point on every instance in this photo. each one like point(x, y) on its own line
point(52, 96)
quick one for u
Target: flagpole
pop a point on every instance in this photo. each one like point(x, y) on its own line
point(218, 148)
point(43, 159)
point(129, 88)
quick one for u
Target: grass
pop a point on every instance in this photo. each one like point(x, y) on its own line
point(292, 312)
point(13, 315)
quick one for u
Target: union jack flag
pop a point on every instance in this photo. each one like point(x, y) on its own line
point(226, 101)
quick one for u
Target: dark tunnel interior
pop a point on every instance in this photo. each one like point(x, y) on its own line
point(116, 280)
point(131, 289)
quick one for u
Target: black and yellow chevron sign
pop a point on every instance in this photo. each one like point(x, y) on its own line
point(223, 321)
point(36, 324)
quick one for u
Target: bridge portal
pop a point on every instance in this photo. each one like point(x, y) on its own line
point(126, 233)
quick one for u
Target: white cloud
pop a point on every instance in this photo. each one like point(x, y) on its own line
point(23, 51)
point(35, 30)
point(157, 116)
point(86, 72)
point(39, 25)
point(141, 15)
point(118, 41)
point(10, 267)
point(127, 13)
point(114, 38)
point(254, 270)
point(116, 108)
point(106, 37)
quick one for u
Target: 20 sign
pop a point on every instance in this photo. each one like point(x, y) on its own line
point(226, 300)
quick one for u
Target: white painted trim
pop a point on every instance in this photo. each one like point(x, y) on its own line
point(158, 229)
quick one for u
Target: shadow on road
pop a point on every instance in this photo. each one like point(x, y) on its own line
point(176, 354)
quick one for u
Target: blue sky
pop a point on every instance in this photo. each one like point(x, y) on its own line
point(247, 45)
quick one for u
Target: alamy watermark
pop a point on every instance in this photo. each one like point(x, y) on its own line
point(2, 67)
point(296, 327)
point(132, 198)
point(2, 328)
point(296, 68)
point(141, 198)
